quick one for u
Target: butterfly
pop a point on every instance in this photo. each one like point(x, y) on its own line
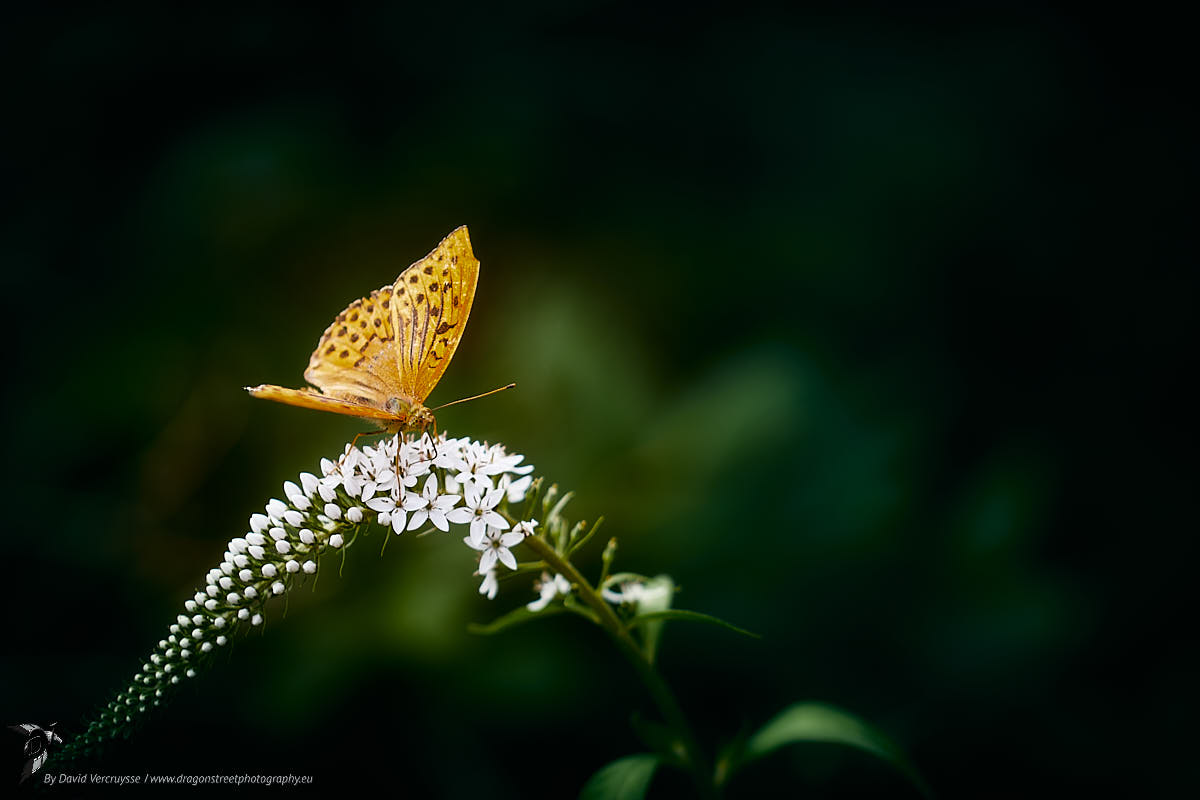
point(382, 356)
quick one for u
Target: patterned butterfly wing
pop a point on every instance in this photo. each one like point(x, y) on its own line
point(432, 299)
point(355, 359)
point(307, 398)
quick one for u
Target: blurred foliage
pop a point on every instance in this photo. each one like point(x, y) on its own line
point(867, 327)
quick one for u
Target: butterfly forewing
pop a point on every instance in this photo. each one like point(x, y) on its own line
point(355, 358)
point(433, 299)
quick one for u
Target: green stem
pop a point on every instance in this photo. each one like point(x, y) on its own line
point(663, 697)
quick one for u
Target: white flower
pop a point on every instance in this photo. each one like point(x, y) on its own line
point(389, 512)
point(354, 515)
point(310, 567)
point(293, 518)
point(335, 540)
point(477, 467)
point(514, 491)
point(626, 592)
point(495, 547)
point(333, 511)
point(478, 511)
point(430, 505)
point(549, 588)
point(526, 527)
point(490, 585)
point(268, 570)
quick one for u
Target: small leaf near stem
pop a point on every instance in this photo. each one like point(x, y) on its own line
point(664, 698)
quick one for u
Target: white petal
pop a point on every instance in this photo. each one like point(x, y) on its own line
point(506, 557)
point(438, 518)
point(460, 516)
point(511, 539)
point(487, 560)
point(494, 520)
point(381, 504)
point(446, 502)
point(399, 518)
point(418, 519)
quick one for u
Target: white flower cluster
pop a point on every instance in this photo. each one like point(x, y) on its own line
point(403, 485)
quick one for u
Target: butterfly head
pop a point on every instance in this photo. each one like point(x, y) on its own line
point(419, 418)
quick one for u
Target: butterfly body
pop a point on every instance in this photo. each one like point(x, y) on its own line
point(382, 356)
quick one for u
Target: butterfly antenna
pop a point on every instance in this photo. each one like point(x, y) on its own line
point(476, 397)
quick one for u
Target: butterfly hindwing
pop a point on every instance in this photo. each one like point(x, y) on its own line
point(433, 299)
point(306, 398)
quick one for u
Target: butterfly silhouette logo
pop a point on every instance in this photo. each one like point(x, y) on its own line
point(38, 741)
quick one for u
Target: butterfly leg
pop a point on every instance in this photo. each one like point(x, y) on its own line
point(354, 442)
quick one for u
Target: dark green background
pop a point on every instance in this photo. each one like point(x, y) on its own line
point(868, 327)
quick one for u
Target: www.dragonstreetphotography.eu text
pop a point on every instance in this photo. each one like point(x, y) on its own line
point(98, 779)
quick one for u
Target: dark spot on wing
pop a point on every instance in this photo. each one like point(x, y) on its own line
point(329, 350)
point(354, 337)
point(342, 332)
point(428, 269)
point(354, 317)
point(344, 354)
point(420, 298)
point(413, 279)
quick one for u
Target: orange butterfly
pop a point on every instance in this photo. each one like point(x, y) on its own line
point(383, 355)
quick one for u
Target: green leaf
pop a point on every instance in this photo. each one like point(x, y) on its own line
point(659, 738)
point(514, 617)
point(624, 779)
point(817, 722)
point(691, 616)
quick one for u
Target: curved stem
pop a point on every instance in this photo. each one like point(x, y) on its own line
point(663, 697)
